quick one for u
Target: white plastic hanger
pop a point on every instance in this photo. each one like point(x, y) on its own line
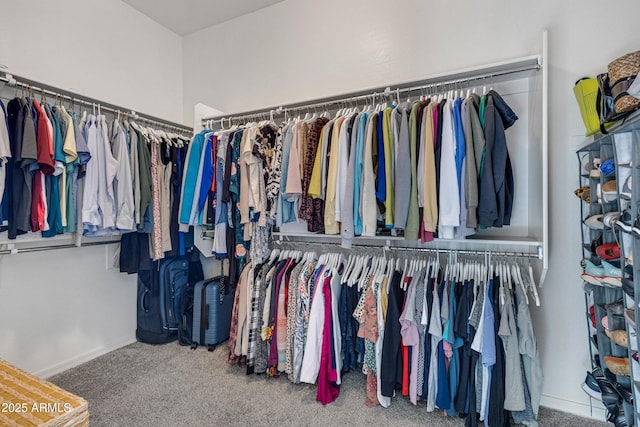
point(534, 288)
point(347, 269)
point(523, 284)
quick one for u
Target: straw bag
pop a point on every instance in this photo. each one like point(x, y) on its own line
point(622, 73)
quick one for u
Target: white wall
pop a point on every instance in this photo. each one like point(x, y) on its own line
point(100, 48)
point(297, 50)
point(61, 307)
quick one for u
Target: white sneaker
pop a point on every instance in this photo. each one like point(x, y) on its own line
point(594, 394)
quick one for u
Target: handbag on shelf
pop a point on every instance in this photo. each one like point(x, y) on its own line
point(586, 92)
point(622, 73)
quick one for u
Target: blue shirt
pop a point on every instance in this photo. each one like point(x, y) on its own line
point(191, 176)
point(381, 187)
point(357, 174)
point(207, 173)
point(460, 142)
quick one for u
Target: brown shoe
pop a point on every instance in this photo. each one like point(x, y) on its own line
point(619, 337)
point(618, 365)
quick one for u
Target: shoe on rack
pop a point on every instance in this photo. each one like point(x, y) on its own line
point(618, 365)
point(619, 337)
point(608, 251)
point(594, 245)
point(609, 219)
point(624, 393)
point(612, 275)
point(615, 308)
point(592, 315)
point(590, 386)
point(607, 167)
point(595, 222)
point(592, 273)
point(625, 193)
point(628, 287)
point(630, 316)
point(609, 395)
point(583, 193)
point(624, 222)
point(617, 416)
point(609, 192)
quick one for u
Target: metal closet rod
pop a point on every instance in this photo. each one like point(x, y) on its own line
point(442, 85)
point(42, 88)
point(52, 247)
point(400, 248)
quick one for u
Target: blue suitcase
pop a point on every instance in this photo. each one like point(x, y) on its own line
point(212, 306)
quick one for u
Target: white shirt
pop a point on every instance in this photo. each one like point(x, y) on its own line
point(125, 204)
point(313, 345)
point(108, 167)
point(343, 162)
point(90, 209)
point(449, 215)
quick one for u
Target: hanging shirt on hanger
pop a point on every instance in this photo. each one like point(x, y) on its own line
point(125, 204)
point(449, 204)
point(330, 223)
point(189, 179)
point(5, 155)
point(402, 174)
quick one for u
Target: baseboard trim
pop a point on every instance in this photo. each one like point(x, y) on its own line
point(595, 411)
point(83, 358)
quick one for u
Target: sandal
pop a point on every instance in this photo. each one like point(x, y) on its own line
point(584, 193)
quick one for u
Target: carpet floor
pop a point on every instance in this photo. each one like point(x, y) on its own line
point(142, 385)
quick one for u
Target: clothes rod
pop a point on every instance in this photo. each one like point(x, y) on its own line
point(42, 88)
point(438, 84)
point(52, 247)
point(400, 248)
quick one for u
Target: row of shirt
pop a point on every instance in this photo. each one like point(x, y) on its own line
point(422, 167)
point(230, 185)
point(40, 164)
point(459, 339)
point(60, 172)
point(426, 168)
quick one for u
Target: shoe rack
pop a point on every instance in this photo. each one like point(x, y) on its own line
point(606, 297)
point(626, 142)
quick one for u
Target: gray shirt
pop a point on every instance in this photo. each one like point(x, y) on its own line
point(402, 182)
point(347, 203)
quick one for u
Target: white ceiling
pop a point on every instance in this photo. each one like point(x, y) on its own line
point(187, 16)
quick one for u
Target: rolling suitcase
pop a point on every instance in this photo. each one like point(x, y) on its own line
point(212, 306)
point(159, 293)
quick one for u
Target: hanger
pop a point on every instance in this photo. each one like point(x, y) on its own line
point(355, 274)
point(522, 283)
point(534, 287)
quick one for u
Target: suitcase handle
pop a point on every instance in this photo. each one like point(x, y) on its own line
point(206, 316)
point(143, 306)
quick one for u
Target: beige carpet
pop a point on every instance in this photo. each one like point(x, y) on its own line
point(142, 385)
